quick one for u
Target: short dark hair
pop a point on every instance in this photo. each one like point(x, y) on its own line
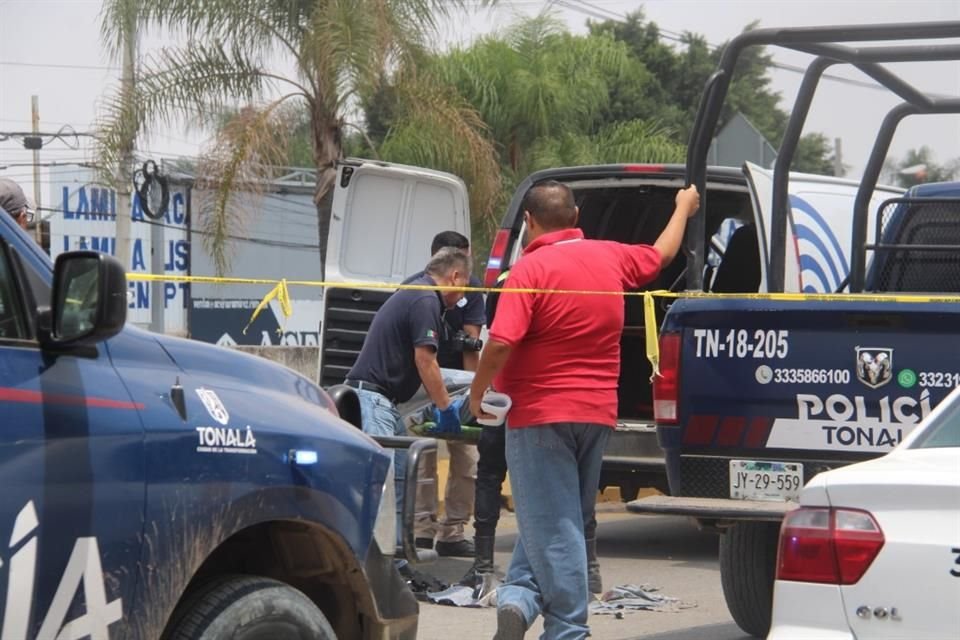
point(551, 204)
point(449, 239)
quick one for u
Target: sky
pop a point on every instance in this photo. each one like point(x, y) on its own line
point(51, 48)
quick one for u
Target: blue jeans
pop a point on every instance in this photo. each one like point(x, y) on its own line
point(381, 418)
point(554, 475)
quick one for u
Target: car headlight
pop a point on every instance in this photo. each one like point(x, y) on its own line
point(385, 527)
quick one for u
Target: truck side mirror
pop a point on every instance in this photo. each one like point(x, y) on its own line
point(89, 300)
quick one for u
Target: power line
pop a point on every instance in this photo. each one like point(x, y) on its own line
point(590, 10)
point(63, 131)
point(36, 140)
point(89, 67)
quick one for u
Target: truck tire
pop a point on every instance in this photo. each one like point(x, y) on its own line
point(748, 558)
point(248, 608)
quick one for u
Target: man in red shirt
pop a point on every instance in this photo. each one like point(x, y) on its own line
point(557, 355)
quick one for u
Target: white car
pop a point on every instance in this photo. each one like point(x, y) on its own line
point(874, 549)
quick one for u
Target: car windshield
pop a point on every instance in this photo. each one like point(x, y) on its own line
point(945, 432)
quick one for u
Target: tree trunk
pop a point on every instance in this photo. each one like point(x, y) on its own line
point(327, 149)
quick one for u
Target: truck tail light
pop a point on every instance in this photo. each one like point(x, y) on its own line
point(666, 386)
point(830, 546)
point(495, 262)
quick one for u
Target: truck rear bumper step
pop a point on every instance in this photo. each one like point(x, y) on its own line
point(712, 508)
point(635, 463)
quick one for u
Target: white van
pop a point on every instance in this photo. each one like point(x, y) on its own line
point(383, 221)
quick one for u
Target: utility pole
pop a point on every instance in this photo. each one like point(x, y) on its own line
point(838, 157)
point(124, 177)
point(35, 118)
point(158, 300)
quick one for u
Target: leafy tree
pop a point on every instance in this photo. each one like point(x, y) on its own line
point(814, 154)
point(548, 98)
point(653, 99)
point(681, 73)
point(918, 167)
point(535, 81)
point(242, 51)
point(621, 142)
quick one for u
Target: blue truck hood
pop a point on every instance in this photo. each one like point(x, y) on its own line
point(306, 406)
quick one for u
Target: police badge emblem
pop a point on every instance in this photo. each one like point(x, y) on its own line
point(211, 401)
point(874, 366)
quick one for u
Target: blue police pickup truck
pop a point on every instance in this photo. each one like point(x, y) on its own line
point(153, 487)
point(758, 393)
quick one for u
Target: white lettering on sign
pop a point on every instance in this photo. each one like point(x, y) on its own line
point(863, 436)
point(840, 408)
point(742, 343)
point(87, 220)
point(83, 567)
point(841, 423)
point(222, 440)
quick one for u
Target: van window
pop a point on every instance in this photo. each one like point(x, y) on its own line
point(373, 225)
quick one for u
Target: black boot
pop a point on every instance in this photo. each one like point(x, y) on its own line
point(458, 549)
point(482, 561)
point(594, 580)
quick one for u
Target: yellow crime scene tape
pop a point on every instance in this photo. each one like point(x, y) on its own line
point(280, 292)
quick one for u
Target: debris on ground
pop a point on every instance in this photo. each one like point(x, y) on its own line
point(632, 597)
point(480, 591)
point(421, 583)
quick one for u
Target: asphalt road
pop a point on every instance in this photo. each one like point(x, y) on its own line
point(665, 552)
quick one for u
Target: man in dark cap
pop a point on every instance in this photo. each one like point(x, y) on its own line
point(13, 200)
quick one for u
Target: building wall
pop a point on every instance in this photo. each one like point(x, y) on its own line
point(275, 238)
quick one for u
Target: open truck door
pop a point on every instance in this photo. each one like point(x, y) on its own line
point(384, 218)
point(817, 251)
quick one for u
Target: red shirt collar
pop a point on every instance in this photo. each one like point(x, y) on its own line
point(553, 237)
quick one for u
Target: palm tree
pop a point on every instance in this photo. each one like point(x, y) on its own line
point(537, 80)
point(544, 94)
point(239, 53)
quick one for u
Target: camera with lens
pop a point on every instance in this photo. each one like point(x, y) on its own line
point(460, 341)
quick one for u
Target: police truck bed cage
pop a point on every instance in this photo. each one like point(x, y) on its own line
point(917, 246)
point(830, 45)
